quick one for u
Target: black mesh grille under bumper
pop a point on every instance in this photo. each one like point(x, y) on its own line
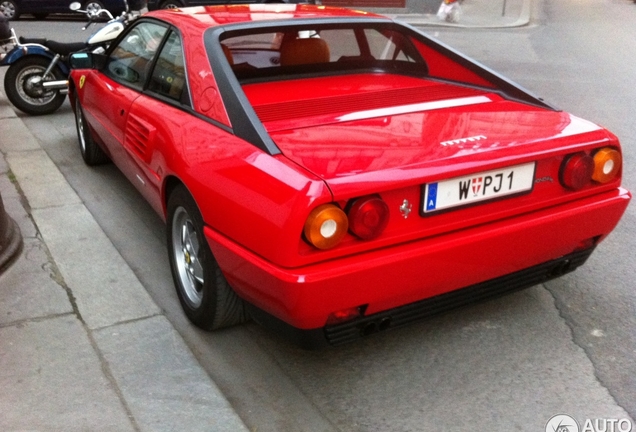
point(403, 315)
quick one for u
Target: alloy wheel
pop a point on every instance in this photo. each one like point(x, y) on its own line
point(186, 250)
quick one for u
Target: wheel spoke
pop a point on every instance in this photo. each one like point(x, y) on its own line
point(194, 242)
point(184, 234)
point(25, 86)
point(197, 270)
point(80, 128)
point(191, 244)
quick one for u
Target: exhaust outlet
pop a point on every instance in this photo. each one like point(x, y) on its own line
point(370, 328)
point(55, 85)
point(561, 268)
point(376, 326)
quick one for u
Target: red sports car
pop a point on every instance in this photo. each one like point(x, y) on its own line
point(332, 173)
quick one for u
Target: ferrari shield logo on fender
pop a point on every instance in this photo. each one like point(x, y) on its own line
point(81, 81)
point(405, 208)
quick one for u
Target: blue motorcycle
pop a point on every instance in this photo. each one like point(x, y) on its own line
point(37, 79)
point(31, 63)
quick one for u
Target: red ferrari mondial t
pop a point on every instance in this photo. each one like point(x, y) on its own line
point(333, 173)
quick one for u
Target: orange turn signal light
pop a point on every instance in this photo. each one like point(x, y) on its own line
point(326, 226)
point(607, 164)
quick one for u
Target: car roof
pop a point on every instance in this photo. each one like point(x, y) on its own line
point(203, 17)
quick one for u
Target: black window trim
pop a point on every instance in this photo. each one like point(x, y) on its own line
point(179, 103)
point(236, 103)
point(241, 112)
point(121, 37)
point(176, 104)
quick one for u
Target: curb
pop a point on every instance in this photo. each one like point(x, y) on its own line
point(119, 335)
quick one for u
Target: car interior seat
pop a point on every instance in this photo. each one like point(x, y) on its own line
point(304, 51)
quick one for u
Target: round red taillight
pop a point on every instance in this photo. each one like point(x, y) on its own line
point(368, 217)
point(325, 226)
point(607, 164)
point(577, 170)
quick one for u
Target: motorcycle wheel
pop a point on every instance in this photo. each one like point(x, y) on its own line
point(24, 95)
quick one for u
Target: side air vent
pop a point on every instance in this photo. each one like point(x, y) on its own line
point(139, 136)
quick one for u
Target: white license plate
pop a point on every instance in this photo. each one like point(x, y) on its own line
point(479, 187)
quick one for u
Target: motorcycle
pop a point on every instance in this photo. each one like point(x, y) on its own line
point(36, 81)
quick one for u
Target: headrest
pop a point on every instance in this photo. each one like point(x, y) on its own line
point(304, 51)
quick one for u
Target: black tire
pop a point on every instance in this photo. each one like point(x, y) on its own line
point(9, 9)
point(91, 152)
point(206, 298)
point(19, 85)
point(171, 4)
point(92, 6)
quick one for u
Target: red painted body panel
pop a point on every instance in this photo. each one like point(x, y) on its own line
point(402, 274)
point(440, 66)
point(302, 103)
point(234, 184)
point(341, 137)
point(394, 155)
point(203, 17)
point(399, 148)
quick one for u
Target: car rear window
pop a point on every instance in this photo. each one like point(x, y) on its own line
point(283, 51)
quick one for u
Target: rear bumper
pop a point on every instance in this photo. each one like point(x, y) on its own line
point(384, 281)
point(400, 316)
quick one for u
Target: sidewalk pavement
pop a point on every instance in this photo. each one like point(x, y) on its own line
point(485, 14)
point(82, 345)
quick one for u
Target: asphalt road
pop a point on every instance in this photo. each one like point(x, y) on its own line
point(568, 346)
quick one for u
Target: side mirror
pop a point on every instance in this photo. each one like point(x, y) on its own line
point(87, 60)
